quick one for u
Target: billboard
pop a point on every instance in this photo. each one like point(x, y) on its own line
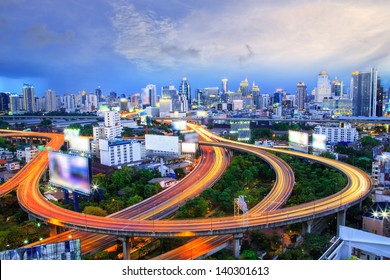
point(67, 250)
point(188, 148)
point(162, 144)
point(70, 133)
point(71, 172)
point(298, 141)
point(319, 141)
point(178, 125)
point(191, 137)
point(80, 144)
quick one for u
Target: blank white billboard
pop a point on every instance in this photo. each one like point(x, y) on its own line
point(319, 141)
point(80, 144)
point(188, 148)
point(161, 143)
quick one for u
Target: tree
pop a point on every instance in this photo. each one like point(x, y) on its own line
point(128, 132)
point(369, 142)
point(46, 123)
point(248, 255)
point(94, 210)
point(134, 200)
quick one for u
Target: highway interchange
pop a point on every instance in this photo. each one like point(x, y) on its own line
point(142, 219)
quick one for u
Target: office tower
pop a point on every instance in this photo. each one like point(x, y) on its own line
point(149, 96)
point(91, 103)
point(225, 88)
point(185, 90)
point(323, 87)
point(301, 95)
point(169, 92)
point(279, 96)
point(4, 102)
point(28, 98)
point(255, 92)
point(99, 94)
point(70, 103)
point(50, 101)
point(337, 88)
point(365, 95)
point(244, 87)
point(14, 103)
point(40, 105)
point(379, 99)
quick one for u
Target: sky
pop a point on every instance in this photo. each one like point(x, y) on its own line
point(123, 45)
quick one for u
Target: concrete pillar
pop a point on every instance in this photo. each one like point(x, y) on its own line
point(126, 247)
point(54, 230)
point(309, 226)
point(340, 219)
point(237, 244)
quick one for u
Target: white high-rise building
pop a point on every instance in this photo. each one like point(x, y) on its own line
point(324, 88)
point(50, 101)
point(119, 152)
point(346, 134)
point(91, 103)
point(149, 96)
point(112, 127)
point(70, 102)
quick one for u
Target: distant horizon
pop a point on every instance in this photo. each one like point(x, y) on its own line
point(123, 45)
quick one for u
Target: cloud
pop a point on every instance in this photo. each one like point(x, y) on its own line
point(40, 35)
point(252, 33)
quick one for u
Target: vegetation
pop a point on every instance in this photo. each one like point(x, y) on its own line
point(122, 189)
point(312, 180)
point(246, 176)
point(15, 229)
point(85, 130)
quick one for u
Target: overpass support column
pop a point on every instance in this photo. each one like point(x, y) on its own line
point(126, 247)
point(237, 244)
point(54, 230)
point(309, 226)
point(340, 219)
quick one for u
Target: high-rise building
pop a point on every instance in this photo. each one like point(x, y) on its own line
point(29, 98)
point(14, 103)
point(366, 98)
point(337, 88)
point(50, 101)
point(323, 87)
point(185, 90)
point(244, 87)
point(69, 102)
point(4, 101)
point(99, 94)
point(301, 95)
point(91, 103)
point(255, 92)
point(224, 88)
point(149, 96)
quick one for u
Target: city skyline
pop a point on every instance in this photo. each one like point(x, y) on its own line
point(125, 45)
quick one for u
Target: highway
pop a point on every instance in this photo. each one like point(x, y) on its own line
point(357, 188)
point(211, 166)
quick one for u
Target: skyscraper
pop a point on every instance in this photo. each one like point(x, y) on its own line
point(323, 87)
point(365, 95)
point(149, 96)
point(28, 98)
point(50, 101)
point(99, 94)
point(4, 101)
point(301, 95)
point(244, 87)
point(224, 86)
point(337, 88)
point(256, 96)
point(185, 90)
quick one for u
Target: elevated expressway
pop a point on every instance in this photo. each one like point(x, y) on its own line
point(357, 188)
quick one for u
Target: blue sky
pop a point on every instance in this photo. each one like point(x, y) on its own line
point(123, 45)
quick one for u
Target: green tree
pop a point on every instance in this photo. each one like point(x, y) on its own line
point(248, 255)
point(94, 210)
